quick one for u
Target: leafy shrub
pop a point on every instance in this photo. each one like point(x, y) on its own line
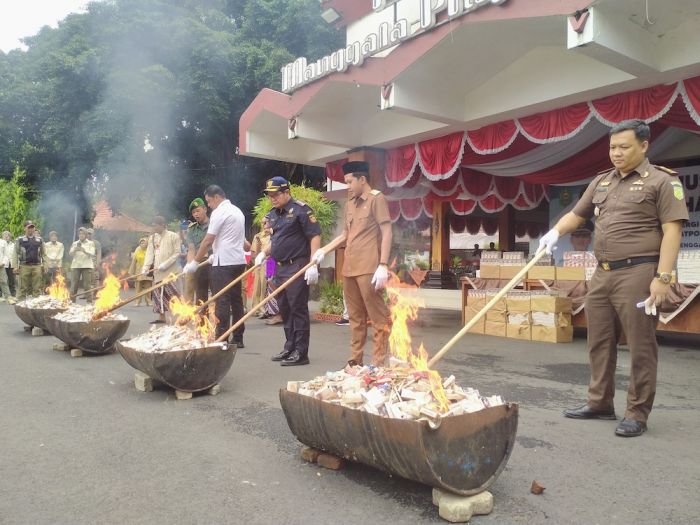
point(325, 210)
point(332, 298)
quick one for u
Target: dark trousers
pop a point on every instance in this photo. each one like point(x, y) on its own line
point(197, 285)
point(611, 307)
point(11, 280)
point(294, 308)
point(229, 307)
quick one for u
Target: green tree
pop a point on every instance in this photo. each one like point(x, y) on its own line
point(15, 206)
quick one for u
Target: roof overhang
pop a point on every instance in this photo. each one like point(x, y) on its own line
point(464, 74)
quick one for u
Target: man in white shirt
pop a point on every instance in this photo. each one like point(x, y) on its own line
point(53, 257)
point(5, 257)
point(226, 235)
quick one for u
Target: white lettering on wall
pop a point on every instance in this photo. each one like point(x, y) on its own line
point(299, 73)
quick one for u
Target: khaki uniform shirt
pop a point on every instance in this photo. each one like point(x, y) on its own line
point(196, 233)
point(53, 254)
point(82, 258)
point(629, 212)
point(363, 217)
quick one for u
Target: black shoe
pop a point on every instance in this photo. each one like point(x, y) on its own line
point(239, 344)
point(295, 359)
point(352, 362)
point(343, 322)
point(586, 412)
point(284, 354)
point(630, 428)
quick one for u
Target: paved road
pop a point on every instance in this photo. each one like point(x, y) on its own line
point(80, 445)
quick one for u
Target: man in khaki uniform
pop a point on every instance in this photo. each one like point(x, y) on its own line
point(27, 262)
point(639, 210)
point(53, 257)
point(82, 265)
point(367, 235)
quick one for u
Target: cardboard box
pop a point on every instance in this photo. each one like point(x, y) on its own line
point(500, 316)
point(550, 303)
point(520, 305)
point(546, 273)
point(476, 302)
point(566, 273)
point(519, 331)
point(478, 327)
point(552, 334)
point(489, 271)
point(508, 272)
point(495, 328)
point(554, 319)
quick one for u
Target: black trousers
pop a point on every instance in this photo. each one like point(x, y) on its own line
point(11, 280)
point(229, 307)
point(294, 308)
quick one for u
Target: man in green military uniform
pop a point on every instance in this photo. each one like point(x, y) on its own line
point(197, 283)
point(28, 262)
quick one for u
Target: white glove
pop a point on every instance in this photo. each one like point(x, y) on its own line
point(311, 275)
point(260, 258)
point(380, 277)
point(190, 267)
point(210, 260)
point(649, 306)
point(549, 241)
point(162, 267)
point(319, 256)
point(145, 270)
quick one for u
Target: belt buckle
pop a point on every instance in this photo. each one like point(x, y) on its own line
point(605, 266)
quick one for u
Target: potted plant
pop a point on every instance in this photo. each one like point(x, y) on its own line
point(331, 302)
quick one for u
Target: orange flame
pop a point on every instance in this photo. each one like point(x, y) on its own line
point(125, 282)
point(58, 289)
point(108, 296)
point(186, 313)
point(404, 306)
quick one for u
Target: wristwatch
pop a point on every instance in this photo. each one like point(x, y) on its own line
point(664, 277)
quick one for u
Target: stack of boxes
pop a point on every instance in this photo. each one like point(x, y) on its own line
point(689, 267)
point(578, 266)
point(551, 317)
point(543, 269)
point(511, 264)
point(536, 315)
point(489, 265)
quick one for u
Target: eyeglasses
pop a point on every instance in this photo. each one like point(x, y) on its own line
point(274, 194)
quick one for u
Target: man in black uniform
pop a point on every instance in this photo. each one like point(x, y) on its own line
point(295, 236)
point(28, 262)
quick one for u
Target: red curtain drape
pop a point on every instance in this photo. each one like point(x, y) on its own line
point(440, 158)
point(555, 125)
point(334, 170)
point(400, 163)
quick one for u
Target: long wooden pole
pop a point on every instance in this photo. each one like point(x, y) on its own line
point(329, 248)
point(170, 279)
point(201, 307)
point(507, 288)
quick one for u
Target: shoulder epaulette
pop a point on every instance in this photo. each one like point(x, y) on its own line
point(665, 170)
point(191, 224)
point(605, 171)
point(300, 203)
point(376, 192)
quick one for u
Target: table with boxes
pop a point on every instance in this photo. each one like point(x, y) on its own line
point(529, 315)
point(541, 313)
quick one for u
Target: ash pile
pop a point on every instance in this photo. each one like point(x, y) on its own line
point(44, 302)
point(85, 314)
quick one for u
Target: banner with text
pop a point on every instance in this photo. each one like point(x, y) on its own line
point(690, 177)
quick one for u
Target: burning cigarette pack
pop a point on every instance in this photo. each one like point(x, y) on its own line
point(85, 314)
point(44, 302)
point(400, 393)
point(171, 338)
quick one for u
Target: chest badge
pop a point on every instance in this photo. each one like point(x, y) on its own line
point(645, 175)
point(596, 211)
point(605, 183)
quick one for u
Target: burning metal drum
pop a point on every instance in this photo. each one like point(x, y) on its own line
point(37, 316)
point(188, 370)
point(95, 337)
point(463, 455)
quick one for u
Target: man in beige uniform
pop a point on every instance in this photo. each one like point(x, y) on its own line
point(367, 234)
point(639, 210)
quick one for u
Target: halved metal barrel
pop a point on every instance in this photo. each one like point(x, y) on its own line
point(464, 455)
point(37, 316)
point(185, 370)
point(95, 337)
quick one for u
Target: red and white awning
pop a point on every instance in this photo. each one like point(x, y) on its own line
point(511, 162)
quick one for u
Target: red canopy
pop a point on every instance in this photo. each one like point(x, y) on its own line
point(511, 162)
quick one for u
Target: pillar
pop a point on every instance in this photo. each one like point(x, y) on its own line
point(506, 228)
point(440, 237)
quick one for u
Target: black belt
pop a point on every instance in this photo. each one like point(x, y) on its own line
point(291, 261)
point(31, 264)
point(626, 263)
